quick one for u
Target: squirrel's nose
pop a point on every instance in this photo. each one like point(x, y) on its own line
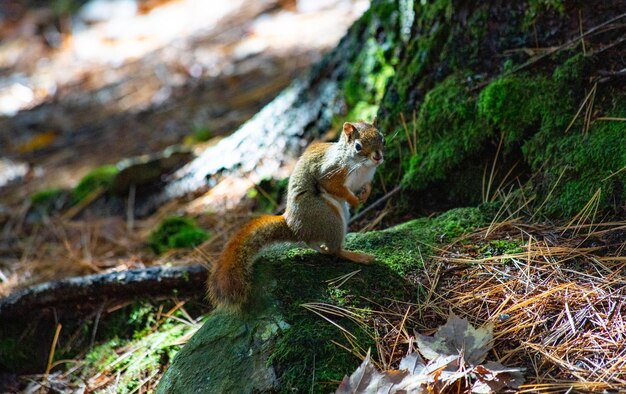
point(377, 156)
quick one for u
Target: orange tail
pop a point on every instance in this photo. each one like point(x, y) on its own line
point(230, 278)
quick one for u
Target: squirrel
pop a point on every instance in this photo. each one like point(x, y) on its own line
point(322, 185)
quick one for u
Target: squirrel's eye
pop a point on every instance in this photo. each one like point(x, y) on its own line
point(357, 146)
point(383, 141)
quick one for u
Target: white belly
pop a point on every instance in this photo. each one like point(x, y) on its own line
point(359, 178)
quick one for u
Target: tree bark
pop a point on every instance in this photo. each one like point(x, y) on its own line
point(304, 111)
point(96, 289)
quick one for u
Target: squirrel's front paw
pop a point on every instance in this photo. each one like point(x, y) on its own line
point(364, 193)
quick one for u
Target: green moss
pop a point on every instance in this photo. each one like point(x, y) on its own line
point(570, 165)
point(456, 131)
point(369, 82)
point(439, 47)
point(464, 48)
point(308, 345)
point(572, 71)
point(101, 177)
point(187, 238)
point(517, 105)
point(459, 125)
point(198, 134)
point(269, 194)
point(46, 195)
point(229, 352)
point(202, 134)
point(364, 87)
point(176, 232)
point(537, 7)
point(586, 164)
point(48, 201)
point(145, 354)
point(366, 79)
point(499, 247)
point(457, 222)
point(104, 354)
point(307, 277)
point(447, 130)
point(65, 7)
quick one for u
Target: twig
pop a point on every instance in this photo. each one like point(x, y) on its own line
point(53, 348)
point(607, 73)
point(580, 26)
point(78, 208)
point(130, 208)
point(376, 203)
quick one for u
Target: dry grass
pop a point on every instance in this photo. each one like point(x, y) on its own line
point(57, 247)
point(556, 302)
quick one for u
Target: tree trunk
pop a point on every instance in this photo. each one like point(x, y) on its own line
point(305, 111)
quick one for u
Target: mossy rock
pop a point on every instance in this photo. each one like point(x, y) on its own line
point(532, 120)
point(279, 345)
point(176, 232)
point(146, 170)
point(453, 101)
point(48, 201)
point(98, 178)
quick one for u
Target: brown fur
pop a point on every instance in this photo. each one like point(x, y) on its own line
point(335, 185)
point(229, 282)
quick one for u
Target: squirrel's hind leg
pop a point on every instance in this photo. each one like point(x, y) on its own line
point(356, 257)
point(319, 247)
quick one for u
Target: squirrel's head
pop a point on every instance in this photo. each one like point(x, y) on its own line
point(364, 141)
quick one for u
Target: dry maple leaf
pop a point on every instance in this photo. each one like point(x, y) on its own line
point(456, 337)
point(494, 377)
point(456, 353)
point(367, 379)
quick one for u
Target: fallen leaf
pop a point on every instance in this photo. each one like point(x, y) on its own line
point(36, 142)
point(493, 377)
point(456, 337)
point(366, 379)
point(413, 363)
point(456, 353)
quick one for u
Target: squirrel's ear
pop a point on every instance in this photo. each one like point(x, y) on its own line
point(374, 121)
point(349, 129)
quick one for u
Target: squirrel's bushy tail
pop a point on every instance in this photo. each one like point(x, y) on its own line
point(230, 278)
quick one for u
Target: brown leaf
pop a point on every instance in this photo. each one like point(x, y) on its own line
point(493, 377)
point(366, 379)
point(412, 363)
point(455, 345)
point(457, 337)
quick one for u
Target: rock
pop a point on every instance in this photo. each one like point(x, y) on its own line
point(146, 169)
point(228, 354)
point(279, 342)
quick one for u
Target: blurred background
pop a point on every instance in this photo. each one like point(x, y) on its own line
point(90, 87)
point(84, 83)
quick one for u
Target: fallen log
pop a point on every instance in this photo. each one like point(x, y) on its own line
point(93, 289)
